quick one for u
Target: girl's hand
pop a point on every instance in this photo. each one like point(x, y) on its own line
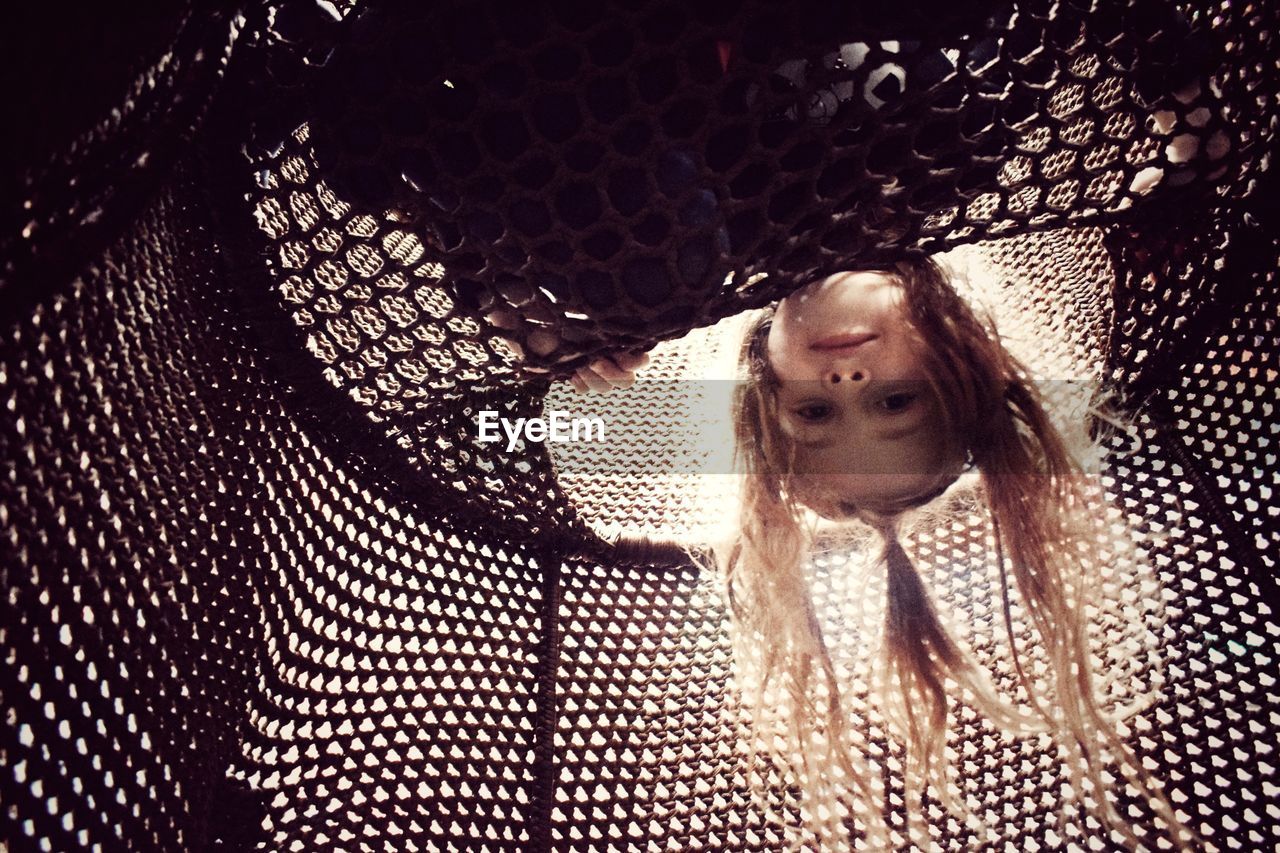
point(614, 371)
point(617, 370)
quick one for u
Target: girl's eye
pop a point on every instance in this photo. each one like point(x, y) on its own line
point(898, 402)
point(812, 412)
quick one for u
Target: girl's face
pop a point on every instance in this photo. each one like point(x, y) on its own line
point(854, 395)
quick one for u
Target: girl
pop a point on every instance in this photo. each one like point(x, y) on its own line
point(868, 394)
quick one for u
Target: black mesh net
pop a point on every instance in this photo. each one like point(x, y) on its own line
point(263, 584)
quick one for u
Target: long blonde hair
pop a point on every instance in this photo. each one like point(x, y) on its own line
point(1043, 522)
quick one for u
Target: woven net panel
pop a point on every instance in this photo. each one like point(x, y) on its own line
point(1222, 450)
point(264, 587)
point(599, 176)
point(129, 615)
point(647, 740)
point(577, 166)
point(222, 631)
point(366, 301)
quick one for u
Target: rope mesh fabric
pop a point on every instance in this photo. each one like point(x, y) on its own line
point(680, 152)
point(263, 586)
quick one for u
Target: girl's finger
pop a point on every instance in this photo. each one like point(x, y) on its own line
point(593, 380)
point(608, 369)
point(631, 360)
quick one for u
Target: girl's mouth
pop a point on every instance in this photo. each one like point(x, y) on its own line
point(844, 342)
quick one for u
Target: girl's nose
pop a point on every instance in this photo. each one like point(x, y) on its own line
point(835, 377)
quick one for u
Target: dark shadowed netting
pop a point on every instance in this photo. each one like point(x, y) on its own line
point(264, 586)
